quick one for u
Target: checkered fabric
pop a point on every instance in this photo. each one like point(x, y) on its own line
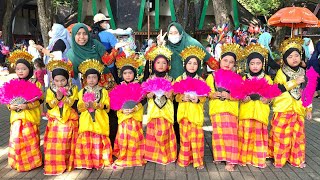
point(24, 146)
point(225, 137)
point(191, 144)
point(287, 139)
point(92, 151)
point(253, 143)
point(161, 143)
point(59, 145)
point(129, 144)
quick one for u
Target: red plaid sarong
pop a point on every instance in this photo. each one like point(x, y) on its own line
point(24, 146)
point(161, 145)
point(92, 151)
point(59, 144)
point(253, 143)
point(225, 137)
point(287, 139)
point(129, 144)
point(191, 144)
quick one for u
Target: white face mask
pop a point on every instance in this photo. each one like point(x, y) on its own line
point(108, 26)
point(174, 38)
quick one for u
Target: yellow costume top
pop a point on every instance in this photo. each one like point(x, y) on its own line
point(166, 112)
point(194, 112)
point(31, 114)
point(255, 109)
point(68, 101)
point(286, 102)
point(217, 106)
point(100, 123)
point(136, 115)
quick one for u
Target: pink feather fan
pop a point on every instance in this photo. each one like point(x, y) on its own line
point(230, 81)
point(89, 97)
point(124, 93)
point(307, 93)
point(261, 87)
point(19, 91)
point(157, 84)
point(191, 85)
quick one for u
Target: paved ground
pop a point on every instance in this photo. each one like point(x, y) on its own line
point(173, 171)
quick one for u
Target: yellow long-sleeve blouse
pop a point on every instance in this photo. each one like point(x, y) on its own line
point(216, 106)
point(101, 118)
point(194, 112)
point(255, 109)
point(67, 112)
point(166, 112)
point(136, 115)
point(31, 114)
point(285, 102)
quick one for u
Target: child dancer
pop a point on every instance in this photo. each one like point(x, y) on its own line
point(129, 142)
point(190, 112)
point(254, 113)
point(223, 111)
point(161, 145)
point(24, 143)
point(93, 147)
point(287, 136)
point(61, 132)
point(40, 71)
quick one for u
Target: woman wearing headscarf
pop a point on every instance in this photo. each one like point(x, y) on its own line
point(265, 40)
point(59, 41)
point(306, 49)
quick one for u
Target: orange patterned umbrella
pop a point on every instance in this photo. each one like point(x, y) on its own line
point(293, 17)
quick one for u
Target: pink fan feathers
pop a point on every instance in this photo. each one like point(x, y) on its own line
point(19, 88)
point(230, 81)
point(89, 97)
point(156, 84)
point(125, 92)
point(260, 86)
point(307, 93)
point(191, 85)
point(63, 90)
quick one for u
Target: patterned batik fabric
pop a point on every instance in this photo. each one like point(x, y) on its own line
point(287, 139)
point(225, 137)
point(191, 144)
point(129, 144)
point(24, 146)
point(161, 143)
point(253, 143)
point(59, 145)
point(92, 151)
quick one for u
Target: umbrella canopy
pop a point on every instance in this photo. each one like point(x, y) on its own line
point(69, 28)
point(293, 17)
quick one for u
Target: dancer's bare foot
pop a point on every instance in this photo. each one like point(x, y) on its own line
point(303, 165)
point(200, 167)
point(230, 167)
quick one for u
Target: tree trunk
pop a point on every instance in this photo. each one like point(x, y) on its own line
point(191, 18)
point(7, 23)
point(221, 12)
point(45, 16)
point(180, 12)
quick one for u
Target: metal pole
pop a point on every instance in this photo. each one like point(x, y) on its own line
point(148, 6)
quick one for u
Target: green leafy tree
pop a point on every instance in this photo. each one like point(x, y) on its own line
point(261, 7)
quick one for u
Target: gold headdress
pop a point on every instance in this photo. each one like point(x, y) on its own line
point(233, 48)
point(159, 50)
point(193, 51)
point(294, 42)
point(127, 61)
point(258, 48)
point(19, 54)
point(59, 64)
point(90, 64)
